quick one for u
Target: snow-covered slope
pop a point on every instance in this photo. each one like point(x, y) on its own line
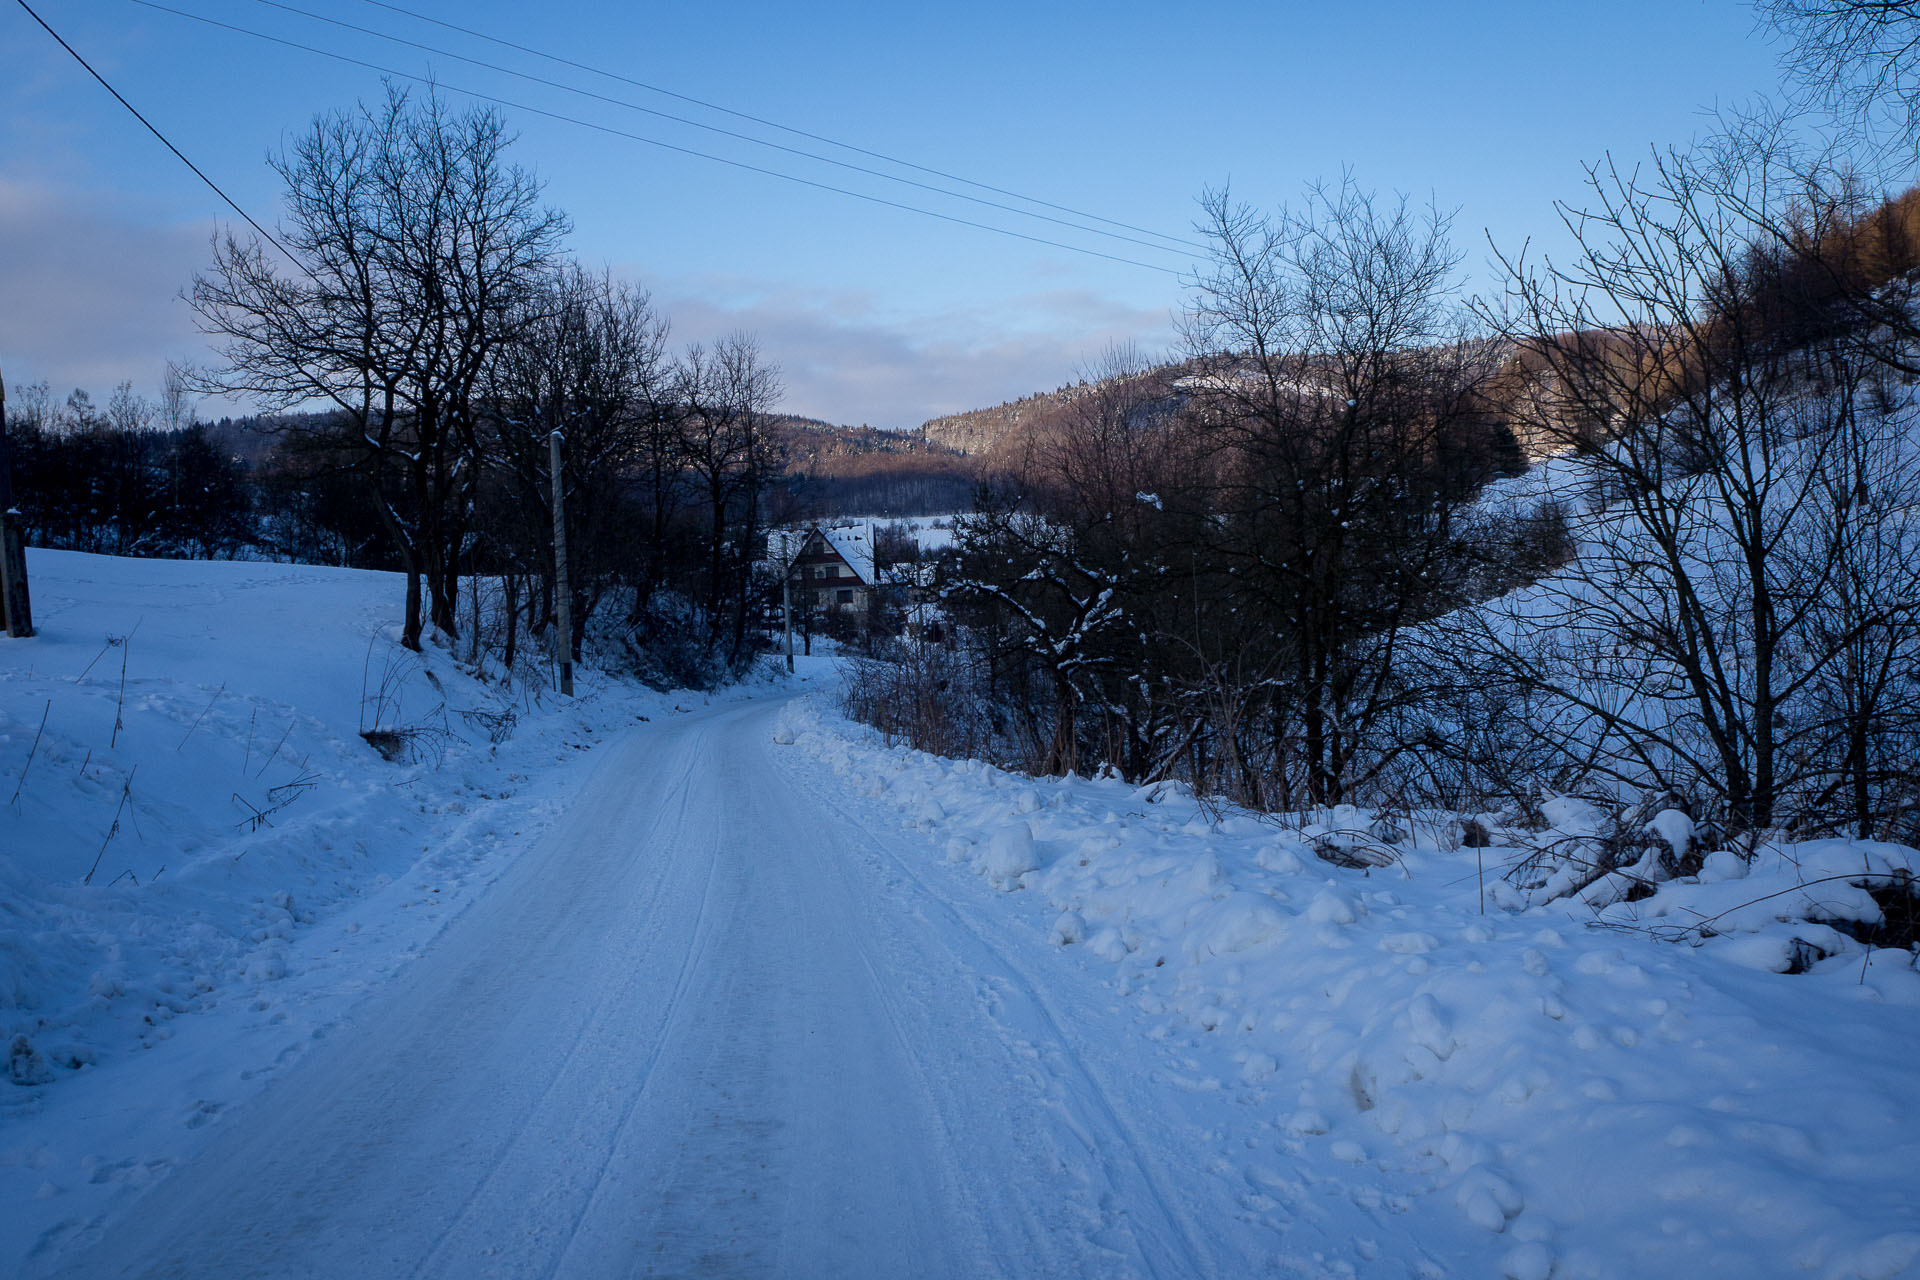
point(191, 826)
point(1549, 1096)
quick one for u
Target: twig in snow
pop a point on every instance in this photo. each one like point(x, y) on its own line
point(133, 815)
point(258, 817)
point(365, 662)
point(278, 798)
point(287, 792)
point(113, 642)
point(126, 794)
point(1866, 953)
point(120, 701)
point(104, 651)
point(276, 749)
point(34, 750)
point(247, 762)
point(202, 716)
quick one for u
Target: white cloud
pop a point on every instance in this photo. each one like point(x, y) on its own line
point(843, 359)
point(89, 293)
point(89, 296)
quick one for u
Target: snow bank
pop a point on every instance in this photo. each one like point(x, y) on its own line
point(194, 836)
point(1561, 1092)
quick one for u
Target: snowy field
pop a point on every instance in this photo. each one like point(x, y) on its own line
point(651, 986)
point(934, 534)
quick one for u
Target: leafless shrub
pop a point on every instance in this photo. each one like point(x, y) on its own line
point(919, 695)
point(498, 725)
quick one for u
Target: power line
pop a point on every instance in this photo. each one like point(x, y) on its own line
point(214, 186)
point(772, 124)
point(735, 134)
point(652, 142)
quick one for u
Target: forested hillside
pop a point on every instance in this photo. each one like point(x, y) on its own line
point(1315, 569)
point(998, 434)
point(837, 471)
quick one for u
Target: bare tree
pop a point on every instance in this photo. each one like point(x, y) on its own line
point(1859, 58)
point(726, 394)
point(416, 243)
point(1338, 378)
point(1727, 492)
point(590, 363)
point(175, 409)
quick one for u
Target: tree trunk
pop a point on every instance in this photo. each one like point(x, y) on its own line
point(510, 589)
point(410, 628)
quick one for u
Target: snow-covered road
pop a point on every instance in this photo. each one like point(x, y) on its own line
point(708, 1025)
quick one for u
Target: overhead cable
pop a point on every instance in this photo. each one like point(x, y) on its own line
point(771, 124)
point(164, 140)
point(727, 133)
point(652, 142)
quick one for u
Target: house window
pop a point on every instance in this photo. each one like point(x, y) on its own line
point(843, 596)
point(833, 571)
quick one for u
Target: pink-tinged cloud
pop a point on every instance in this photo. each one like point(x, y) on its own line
point(89, 293)
point(844, 359)
point(90, 297)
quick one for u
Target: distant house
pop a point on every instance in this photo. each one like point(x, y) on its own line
point(831, 569)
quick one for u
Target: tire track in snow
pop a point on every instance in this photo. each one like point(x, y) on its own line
point(670, 1014)
point(463, 1219)
point(1177, 1247)
point(882, 992)
point(1181, 1256)
point(771, 1148)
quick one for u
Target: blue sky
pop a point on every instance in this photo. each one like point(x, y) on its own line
point(876, 315)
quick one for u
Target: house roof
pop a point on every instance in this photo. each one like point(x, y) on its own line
point(854, 544)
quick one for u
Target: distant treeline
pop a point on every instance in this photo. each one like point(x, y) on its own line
point(127, 479)
point(887, 484)
point(138, 479)
point(143, 477)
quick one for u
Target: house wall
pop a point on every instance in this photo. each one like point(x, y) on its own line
point(820, 574)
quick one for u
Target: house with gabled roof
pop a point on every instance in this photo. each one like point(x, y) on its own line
point(831, 569)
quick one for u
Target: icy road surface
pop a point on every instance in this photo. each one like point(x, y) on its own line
point(708, 1026)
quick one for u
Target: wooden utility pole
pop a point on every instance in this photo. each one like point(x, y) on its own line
point(16, 607)
point(562, 591)
point(786, 592)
